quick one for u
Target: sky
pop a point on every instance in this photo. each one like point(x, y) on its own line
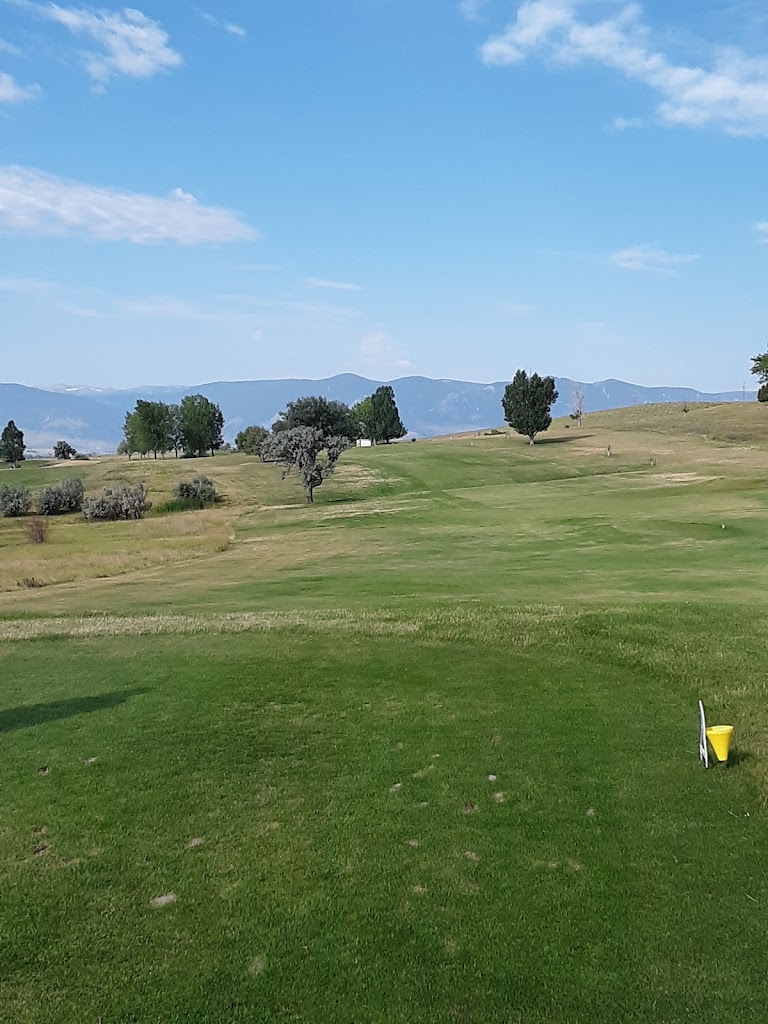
point(455, 188)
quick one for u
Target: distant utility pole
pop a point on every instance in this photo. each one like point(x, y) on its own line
point(743, 391)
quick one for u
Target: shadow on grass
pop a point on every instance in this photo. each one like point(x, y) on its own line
point(38, 714)
point(738, 757)
point(563, 440)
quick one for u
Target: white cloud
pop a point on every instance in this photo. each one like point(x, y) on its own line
point(472, 9)
point(11, 92)
point(228, 26)
point(762, 231)
point(731, 93)
point(129, 43)
point(338, 286)
point(34, 202)
point(650, 258)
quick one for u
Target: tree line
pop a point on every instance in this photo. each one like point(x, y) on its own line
point(193, 428)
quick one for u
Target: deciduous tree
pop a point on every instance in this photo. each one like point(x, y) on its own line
point(527, 402)
point(250, 440)
point(330, 417)
point(308, 452)
point(201, 426)
point(64, 450)
point(578, 402)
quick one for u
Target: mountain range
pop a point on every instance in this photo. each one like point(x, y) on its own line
point(92, 419)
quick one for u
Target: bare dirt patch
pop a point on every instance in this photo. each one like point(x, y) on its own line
point(164, 901)
point(256, 966)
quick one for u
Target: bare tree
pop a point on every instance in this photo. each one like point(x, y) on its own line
point(578, 401)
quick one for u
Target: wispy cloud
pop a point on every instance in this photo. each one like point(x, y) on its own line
point(731, 93)
point(128, 42)
point(338, 286)
point(472, 9)
point(6, 47)
point(81, 312)
point(762, 231)
point(378, 347)
point(25, 284)
point(650, 258)
point(11, 92)
point(227, 26)
point(621, 124)
point(517, 308)
point(34, 202)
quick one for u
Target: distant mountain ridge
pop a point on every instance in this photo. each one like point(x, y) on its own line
point(92, 419)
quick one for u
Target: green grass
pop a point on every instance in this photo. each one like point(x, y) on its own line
point(322, 703)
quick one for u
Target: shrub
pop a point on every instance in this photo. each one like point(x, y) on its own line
point(29, 582)
point(198, 492)
point(118, 503)
point(64, 450)
point(60, 498)
point(14, 501)
point(37, 530)
point(82, 457)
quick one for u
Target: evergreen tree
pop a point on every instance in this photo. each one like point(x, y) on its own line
point(527, 401)
point(386, 424)
point(12, 445)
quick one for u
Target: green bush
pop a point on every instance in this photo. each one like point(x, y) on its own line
point(14, 501)
point(198, 491)
point(176, 505)
point(118, 503)
point(60, 498)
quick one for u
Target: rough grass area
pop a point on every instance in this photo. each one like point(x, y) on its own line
point(425, 752)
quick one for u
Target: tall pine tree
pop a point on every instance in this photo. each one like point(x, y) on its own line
point(12, 445)
point(386, 424)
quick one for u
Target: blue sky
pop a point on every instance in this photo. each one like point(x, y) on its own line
point(251, 189)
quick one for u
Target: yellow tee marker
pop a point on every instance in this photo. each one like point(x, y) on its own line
point(718, 736)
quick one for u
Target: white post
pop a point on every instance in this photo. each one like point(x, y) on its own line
point(703, 753)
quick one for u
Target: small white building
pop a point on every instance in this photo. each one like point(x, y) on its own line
point(365, 442)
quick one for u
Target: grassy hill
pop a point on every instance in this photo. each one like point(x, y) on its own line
point(425, 751)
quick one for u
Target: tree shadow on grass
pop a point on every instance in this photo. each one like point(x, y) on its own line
point(562, 440)
point(38, 714)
